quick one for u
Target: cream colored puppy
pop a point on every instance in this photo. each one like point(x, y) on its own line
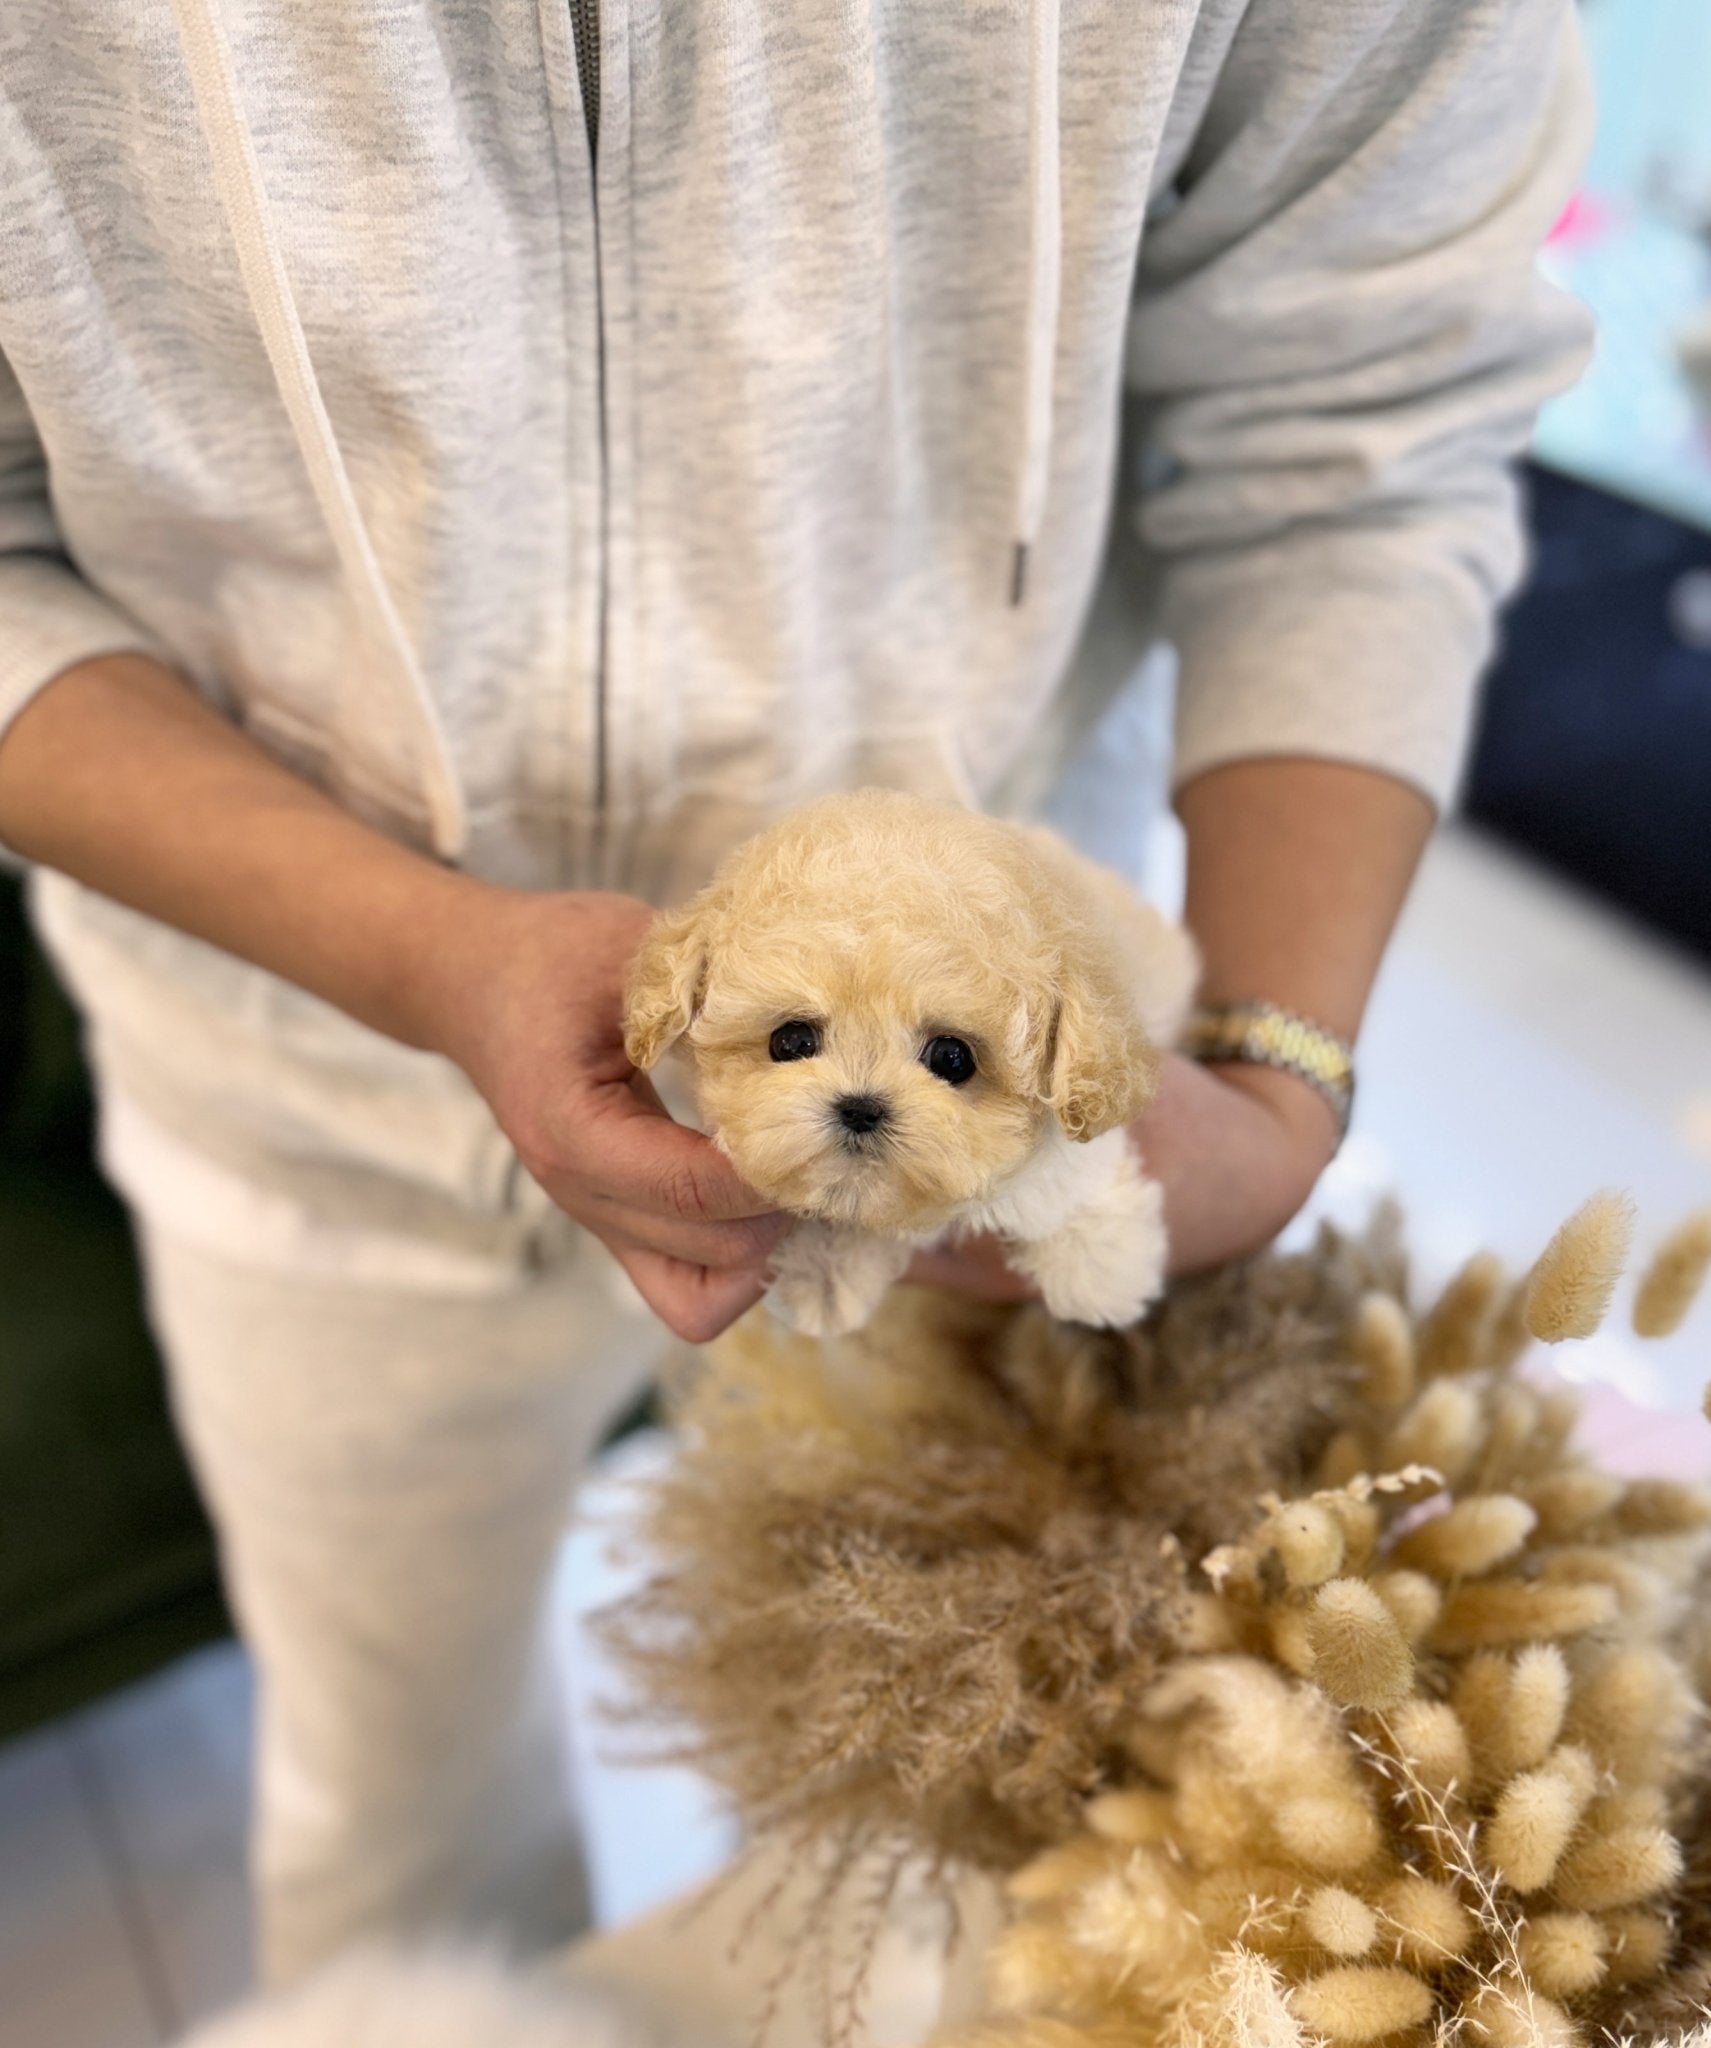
point(906, 1020)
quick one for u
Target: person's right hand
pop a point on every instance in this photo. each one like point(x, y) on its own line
point(534, 1017)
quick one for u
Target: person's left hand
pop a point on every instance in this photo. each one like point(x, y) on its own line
point(1237, 1149)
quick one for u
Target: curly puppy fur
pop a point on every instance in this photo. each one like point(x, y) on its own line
point(885, 921)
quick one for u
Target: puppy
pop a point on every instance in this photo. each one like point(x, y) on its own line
point(905, 1019)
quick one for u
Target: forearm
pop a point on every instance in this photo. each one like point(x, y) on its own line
point(1297, 871)
point(120, 776)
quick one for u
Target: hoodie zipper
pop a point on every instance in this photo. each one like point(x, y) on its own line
point(585, 34)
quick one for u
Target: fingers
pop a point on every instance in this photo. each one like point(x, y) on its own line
point(692, 1302)
point(652, 1164)
point(723, 1247)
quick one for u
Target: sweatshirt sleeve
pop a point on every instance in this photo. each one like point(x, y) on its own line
point(50, 617)
point(1339, 342)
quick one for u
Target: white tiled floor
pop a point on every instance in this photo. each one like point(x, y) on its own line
point(1524, 1048)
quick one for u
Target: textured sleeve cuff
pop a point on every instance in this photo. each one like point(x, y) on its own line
point(50, 619)
point(1382, 674)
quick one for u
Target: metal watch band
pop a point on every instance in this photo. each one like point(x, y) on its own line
point(1267, 1035)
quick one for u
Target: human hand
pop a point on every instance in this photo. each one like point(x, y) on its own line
point(1237, 1150)
point(533, 1013)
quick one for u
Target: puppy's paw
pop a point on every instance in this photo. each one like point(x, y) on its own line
point(1107, 1261)
point(828, 1282)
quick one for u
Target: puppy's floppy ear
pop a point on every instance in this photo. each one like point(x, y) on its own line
point(665, 984)
point(1102, 1068)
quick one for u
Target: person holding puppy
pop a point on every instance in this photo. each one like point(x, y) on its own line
point(462, 470)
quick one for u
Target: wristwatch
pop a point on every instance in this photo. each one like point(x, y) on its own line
point(1266, 1035)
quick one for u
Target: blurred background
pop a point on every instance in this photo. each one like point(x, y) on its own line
point(1543, 1026)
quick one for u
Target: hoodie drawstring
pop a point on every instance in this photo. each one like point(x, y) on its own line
point(237, 180)
point(1045, 280)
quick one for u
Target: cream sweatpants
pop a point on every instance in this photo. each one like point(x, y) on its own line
point(389, 1458)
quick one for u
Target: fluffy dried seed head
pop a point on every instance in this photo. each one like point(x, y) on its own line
point(1562, 1954)
point(1431, 1925)
point(1537, 1701)
point(1470, 1538)
point(1383, 1346)
point(1535, 1815)
point(1568, 1502)
point(1361, 1526)
point(1512, 1440)
point(1570, 1287)
point(1507, 2013)
point(1333, 1832)
point(1207, 1625)
point(1339, 1922)
point(1414, 1602)
point(1442, 1427)
point(1635, 1946)
point(1345, 1457)
point(1308, 1540)
point(1661, 1507)
point(1490, 1613)
point(1292, 1640)
point(1674, 1277)
point(1631, 1711)
point(1623, 1868)
point(1359, 1655)
point(1429, 1738)
point(1132, 1817)
point(1361, 2003)
point(1454, 1335)
point(1061, 1872)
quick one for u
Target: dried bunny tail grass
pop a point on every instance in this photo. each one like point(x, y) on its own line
point(1309, 1542)
point(1339, 1922)
point(1631, 1712)
point(1455, 1334)
point(1382, 1342)
point(1569, 1501)
point(1672, 1280)
point(1472, 1537)
point(1507, 2013)
point(1562, 1954)
point(1442, 1428)
point(1570, 1287)
point(1429, 1922)
point(1513, 1709)
point(1360, 1655)
point(1535, 1816)
point(1493, 1613)
point(1359, 2002)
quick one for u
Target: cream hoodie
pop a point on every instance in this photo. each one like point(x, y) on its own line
point(572, 432)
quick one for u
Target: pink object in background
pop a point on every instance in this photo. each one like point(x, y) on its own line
point(1581, 222)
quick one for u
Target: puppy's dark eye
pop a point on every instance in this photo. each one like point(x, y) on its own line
point(796, 1040)
point(950, 1059)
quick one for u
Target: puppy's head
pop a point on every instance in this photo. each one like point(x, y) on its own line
point(886, 1000)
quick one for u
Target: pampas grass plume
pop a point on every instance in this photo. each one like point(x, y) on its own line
point(1570, 1287)
point(1672, 1280)
point(1383, 1346)
point(1359, 2003)
point(1471, 1538)
point(1339, 1922)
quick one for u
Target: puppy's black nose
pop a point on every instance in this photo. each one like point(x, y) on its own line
point(861, 1113)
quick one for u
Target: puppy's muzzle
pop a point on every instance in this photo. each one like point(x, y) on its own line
point(862, 1115)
